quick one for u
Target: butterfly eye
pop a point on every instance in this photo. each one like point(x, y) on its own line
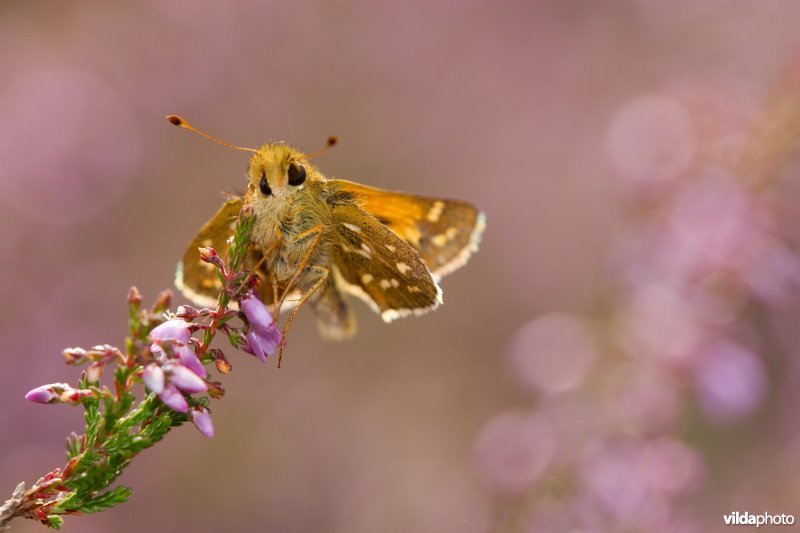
point(264, 186)
point(296, 173)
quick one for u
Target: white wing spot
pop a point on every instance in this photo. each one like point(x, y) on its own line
point(394, 283)
point(351, 227)
point(413, 289)
point(385, 284)
point(366, 278)
point(390, 248)
point(403, 268)
point(365, 250)
point(436, 211)
point(441, 239)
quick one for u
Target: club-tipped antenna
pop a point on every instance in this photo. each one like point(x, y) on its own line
point(178, 121)
point(332, 140)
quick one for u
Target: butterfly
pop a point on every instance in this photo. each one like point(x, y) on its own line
point(318, 240)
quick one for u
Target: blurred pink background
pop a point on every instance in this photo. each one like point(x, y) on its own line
point(620, 354)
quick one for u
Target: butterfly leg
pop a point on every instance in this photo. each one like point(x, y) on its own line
point(273, 281)
point(275, 307)
point(316, 232)
point(324, 272)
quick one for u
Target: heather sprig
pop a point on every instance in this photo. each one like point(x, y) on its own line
point(161, 353)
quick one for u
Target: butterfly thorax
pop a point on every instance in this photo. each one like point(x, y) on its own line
point(283, 225)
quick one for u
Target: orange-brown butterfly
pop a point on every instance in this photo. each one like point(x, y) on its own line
point(316, 239)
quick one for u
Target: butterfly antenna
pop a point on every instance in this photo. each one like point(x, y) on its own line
point(178, 121)
point(332, 140)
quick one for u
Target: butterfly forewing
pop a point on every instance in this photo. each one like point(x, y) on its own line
point(374, 264)
point(443, 232)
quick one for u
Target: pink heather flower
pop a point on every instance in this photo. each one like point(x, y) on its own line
point(153, 378)
point(47, 393)
point(262, 334)
point(177, 333)
point(189, 359)
point(202, 419)
point(185, 379)
point(169, 331)
point(183, 374)
point(173, 399)
point(169, 384)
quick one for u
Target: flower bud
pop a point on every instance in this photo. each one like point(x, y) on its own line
point(189, 359)
point(162, 302)
point(134, 297)
point(215, 389)
point(94, 372)
point(202, 419)
point(153, 378)
point(185, 379)
point(209, 255)
point(74, 356)
point(173, 399)
point(186, 312)
point(47, 393)
point(223, 366)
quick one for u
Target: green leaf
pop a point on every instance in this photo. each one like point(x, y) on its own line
point(93, 419)
point(106, 500)
point(54, 521)
point(74, 444)
point(142, 412)
point(65, 503)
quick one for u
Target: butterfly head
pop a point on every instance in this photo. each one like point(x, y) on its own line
point(276, 171)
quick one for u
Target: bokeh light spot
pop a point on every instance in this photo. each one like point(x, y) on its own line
point(553, 353)
point(514, 449)
point(651, 140)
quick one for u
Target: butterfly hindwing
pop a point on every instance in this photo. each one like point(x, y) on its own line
point(197, 280)
point(374, 264)
point(443, 232)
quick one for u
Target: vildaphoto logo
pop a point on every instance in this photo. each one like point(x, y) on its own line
point(764, 519)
